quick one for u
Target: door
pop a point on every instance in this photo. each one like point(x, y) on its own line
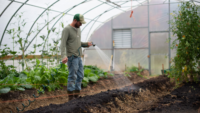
point(159, 50)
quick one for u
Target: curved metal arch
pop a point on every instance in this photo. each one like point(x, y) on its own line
point(111, 5)
point(92, 8)
point(196, 1)
point(99, 17)
point(6, 7)
point(10, 20)
point(102, 14)
point(68, 11)
point(83, 14)
point(38, 18)
point(92, 26)
point(61, 17)
point(49, 22)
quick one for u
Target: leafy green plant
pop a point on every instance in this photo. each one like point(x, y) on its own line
point(33, 52)
point(12, 32)
point(55, 48)
point(21, 23)
point(46, 45)
point(52, 78)
point(139, 73)
point(133, 69)
point(11, 82)
point(186, 26)
point(6, 69)
point(42, 78)
point(61, 74)
point(93, 74)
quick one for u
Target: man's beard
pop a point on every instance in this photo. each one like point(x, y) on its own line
point(76, 25)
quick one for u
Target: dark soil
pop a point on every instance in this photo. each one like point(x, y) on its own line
point(100, 100)
point(185, 99)
point(155, 95)
point(13, 99)
point(16, 94)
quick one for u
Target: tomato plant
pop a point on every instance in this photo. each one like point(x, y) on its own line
point(186, 26)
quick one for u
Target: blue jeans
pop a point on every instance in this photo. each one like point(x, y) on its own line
point(76, 73)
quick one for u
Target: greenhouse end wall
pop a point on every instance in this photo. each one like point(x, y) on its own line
point(157, 54)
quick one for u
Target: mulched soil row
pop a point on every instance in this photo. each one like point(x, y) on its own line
point(13, 99)
point(185, 99)
point(82, 104)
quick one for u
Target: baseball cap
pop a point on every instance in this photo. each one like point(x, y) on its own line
point(80, 18)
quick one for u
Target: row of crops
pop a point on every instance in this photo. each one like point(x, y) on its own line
point(43, 78)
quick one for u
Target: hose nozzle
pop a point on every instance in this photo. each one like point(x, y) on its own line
point(93, 44)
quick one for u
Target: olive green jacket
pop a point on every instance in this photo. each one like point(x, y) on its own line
point(71, 42)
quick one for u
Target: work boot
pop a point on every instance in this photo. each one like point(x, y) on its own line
point(70, 95)
point(76, 93)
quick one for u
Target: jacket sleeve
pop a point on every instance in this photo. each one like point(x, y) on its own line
point(63, 46)
point(84, 44)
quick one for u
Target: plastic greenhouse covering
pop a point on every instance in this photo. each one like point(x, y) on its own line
point(147, 31)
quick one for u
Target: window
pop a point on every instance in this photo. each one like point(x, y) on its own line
point(122, 38)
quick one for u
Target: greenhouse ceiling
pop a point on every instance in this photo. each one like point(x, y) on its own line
point(40, 15)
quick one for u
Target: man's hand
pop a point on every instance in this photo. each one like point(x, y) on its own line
point(64, 60)
point(89, 44)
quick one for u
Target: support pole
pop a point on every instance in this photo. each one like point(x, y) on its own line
point(113, 44)
point(139, 66)
point(162, 69)
point(169, 38)
point(110, 65)
point(149, 58)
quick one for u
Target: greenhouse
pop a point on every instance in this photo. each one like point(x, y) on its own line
point(134, 56)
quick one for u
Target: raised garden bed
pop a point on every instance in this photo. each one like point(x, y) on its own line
point(13, 99)
point(118, 100)
point(154, 95)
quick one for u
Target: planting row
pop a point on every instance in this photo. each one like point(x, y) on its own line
point(40, 77)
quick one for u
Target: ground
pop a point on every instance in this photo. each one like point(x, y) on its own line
point(140, 95)
point(13, 99)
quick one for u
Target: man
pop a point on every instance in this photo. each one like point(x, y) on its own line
point(71, 52)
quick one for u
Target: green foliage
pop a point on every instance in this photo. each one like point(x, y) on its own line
point(93, 74)
point(20, 40)
point(12, 33)
point(12, 82)
point(6, 70)
point(10, 76)
point(60, 74)
point(4, 90)
point(133, 69)
point(50, 78)
point(186, 26)
point(40, 77)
